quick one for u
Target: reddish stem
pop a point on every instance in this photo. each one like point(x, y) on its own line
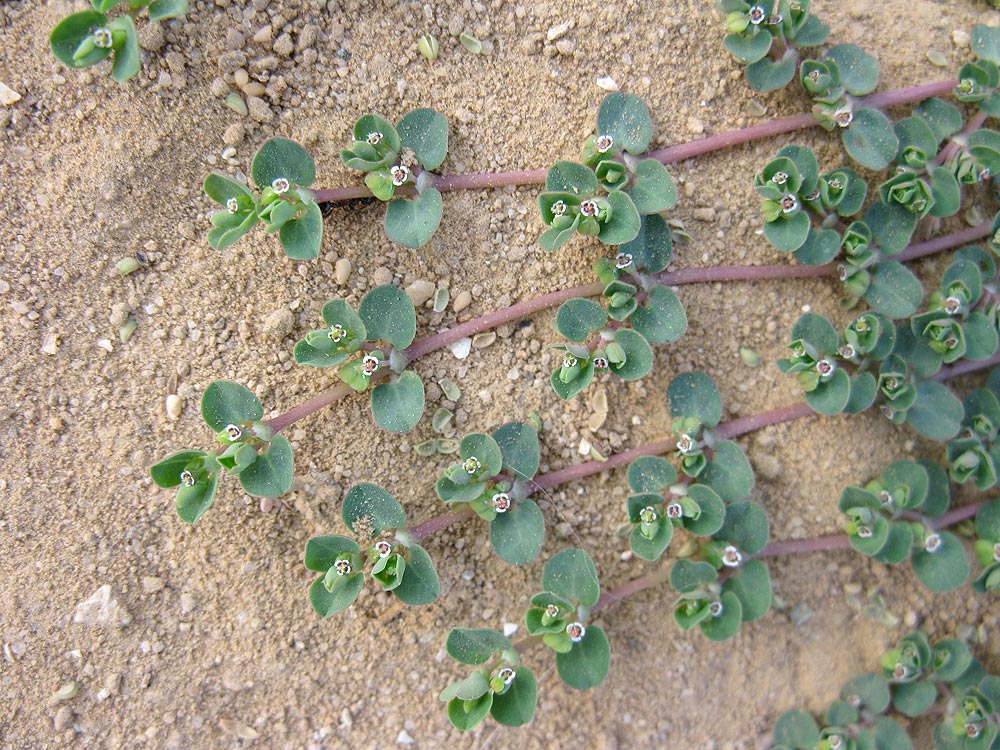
point(667, 155)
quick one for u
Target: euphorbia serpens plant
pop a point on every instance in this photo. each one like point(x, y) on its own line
point(398, 162)
point(282, 171)
point(86, 38)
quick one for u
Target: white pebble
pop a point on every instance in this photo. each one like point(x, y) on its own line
point(404, 738)
point(461, 348)
point(342, 270)
point(607, 83)
point(509, 628)
point(175, 406)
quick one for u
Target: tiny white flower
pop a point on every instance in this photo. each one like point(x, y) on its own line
point(647, 514)
point(280, 185)
point(234, 432)
point(779, 178)
point(400, 174)
point(471, 465)
point(757, 14)
point(825, 368)
point(996, 551)
point(836, 741)
point(973, 730)
point(843, 117)
point(885, 497)
point(369, 365)
point(952, 305)
point(864, 532)
point(847, 351)
point(343, 567)
point(715, 609)
point(604, 143)
point(731, 557)
point(588, 208)
point(374, 138)
point(575, 631)
point(102, 37)
point(686, 444)
point(337, 333)
point(569, 360)
point(789, 203)
point(501, 502)
point(383, 548)
point(187, 478)
point(600, 363)
point(623, 260)
point(232, 205)
point(552, 611)
point(932, 543)
point(674, 510)
point(558, 208)
point(900, 672)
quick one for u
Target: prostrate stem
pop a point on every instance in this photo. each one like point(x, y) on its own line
point(669, 155)
point(523, 309)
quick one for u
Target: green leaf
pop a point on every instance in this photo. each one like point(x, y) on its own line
point(729, 472)
point(694, 394)
point(788, 234)
point(624, 222)
point(638, 355)
point(937, 413)
point(222, 237)
point(475, 645)
point(713, 511)
point(986, 42)
point(626, 119)
point(161, 10)
point(988, 521)
point(748, 49)
point(578, 318)
point(752, 586)
point(127, 61)
point(566, 391)
point(302, 238)
point(858, 69)
point(891, 225)
point(516, 706)
point(819, 248)
point(946, 568)
point(570, 177)
point(654, 190)
point(726, 624)
point(894, 290)
point(420, 583)
point(765, 75)
point(650, 474)
point(686, 576)
point(652, 549)
point(272, 472)
point(194, 500)
point(280, 158)
point(870, 139)
point(374, 506)
point(328, 603)
point(831, 396)
point(660, 318)
point(811, 33)
point(518, 443)
point(889, 735)
point(951, 658)
point(388, 314)
point(167, 473)
point(554, 238)
point(484, 449)
point(914, 698)
point(942, 117)
point(69, 33)
point(517, 535)
point(225, 403)
point(946, 192)
point(571, 574)
point(464, 715)
point(472, 687)
point(746, 526)
point(816, 331)
point(864, 390)
point(870, 689)
point(796, 729)
point(371, 123)
point(221, 188)
point(306, 354)
point(322, 551)
point(980, 337)
point(425, 132)
point(586, 664)
point(652, 248)
point(412, 221)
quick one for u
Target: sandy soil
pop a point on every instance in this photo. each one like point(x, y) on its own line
point(214, 639)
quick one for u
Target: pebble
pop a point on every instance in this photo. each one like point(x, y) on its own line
point(279, 323)
point(235, 102)
point(420, 291)
point(462, 301)
point(961, 38)
point(101, 609)
point(7, 95)
point(264, 36)
point(187, 603)
point(259, 111)
point(509, 628)
point(461, 348)
point(50, 343)
point(557, 32)
point(607, 83)
point(404, 738)
point(342, 270)
point(283, 46)
point(63, 719)
point(483, 340)
point(234, 134)
point(382, 276)
point(175, 406)
point(266, 504)
point(152, 584)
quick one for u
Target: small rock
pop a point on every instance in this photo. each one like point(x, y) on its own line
point(7, 95)
point(152, 584)
point(420, 291)
point(266, 504)
point(175, 406)
point(557, 32)
point(483, 340)
point(696, 126)
point(565, 47)
point(607, 83)
point(279, 323)
point(346, 720)
point(462, 301)
point(704, 214)
point(151, 37)
point(342, 270)
point(101, 609)
point(509, 628)
point(264, 36)
point(382, 276)
point(187, 603)
point(283, 46)
point(258, 109)
point(404, 738)
point(234, 134)
point(63, 719)
point(461, 348)
point(961, 38)
point(50, 343)
point(230, 62)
